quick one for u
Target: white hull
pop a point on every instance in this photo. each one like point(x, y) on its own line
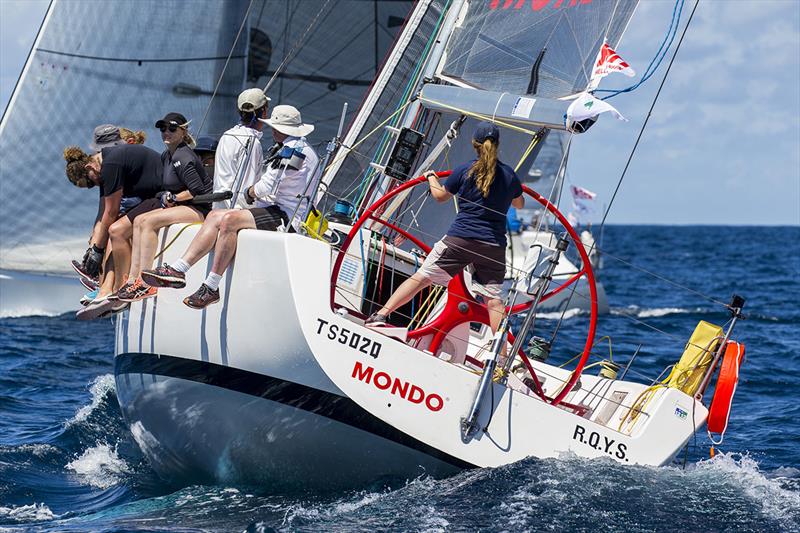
point(233, 393)
point(239, 393)
point(27, 294)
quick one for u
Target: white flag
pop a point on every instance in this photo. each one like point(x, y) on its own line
point(586, 106)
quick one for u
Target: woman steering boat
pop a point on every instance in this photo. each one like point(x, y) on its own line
point(485, 188)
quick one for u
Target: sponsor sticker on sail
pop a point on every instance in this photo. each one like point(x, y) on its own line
point(608, 61)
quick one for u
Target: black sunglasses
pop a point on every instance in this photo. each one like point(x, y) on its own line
point(172, 127)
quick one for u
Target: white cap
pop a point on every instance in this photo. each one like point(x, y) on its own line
point(286, 119)
point(252, 99)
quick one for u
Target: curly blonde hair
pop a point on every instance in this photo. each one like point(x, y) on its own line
point(132, 137)
point(483, 169)
point(77, 174)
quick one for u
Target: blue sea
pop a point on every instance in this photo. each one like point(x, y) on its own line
point(69, 463)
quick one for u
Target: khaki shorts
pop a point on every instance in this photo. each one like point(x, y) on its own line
point(452, 254)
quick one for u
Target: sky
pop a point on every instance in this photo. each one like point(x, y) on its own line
point(721, 147)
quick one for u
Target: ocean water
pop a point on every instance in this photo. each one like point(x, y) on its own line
point(69, 463)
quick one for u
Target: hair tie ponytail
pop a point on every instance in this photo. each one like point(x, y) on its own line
point(483, 169)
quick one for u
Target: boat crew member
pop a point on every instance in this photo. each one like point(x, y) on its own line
point(239, 154)
point(127, 170)
point(485, 188)
point(238, 162)
point(106, 136)
point(277, 195)
point(184, 178)
point(206, 149)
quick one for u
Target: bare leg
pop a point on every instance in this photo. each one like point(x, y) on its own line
point(407, 290)
point(497, 309)
point(233, 222)
point(204, 241)
point(109, 275)
point(120, 233)
point(145, 234)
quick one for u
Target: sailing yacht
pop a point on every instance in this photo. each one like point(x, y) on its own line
point(281, 383)
point(132, 72)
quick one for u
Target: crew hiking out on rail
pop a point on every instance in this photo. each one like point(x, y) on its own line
point(485, 188)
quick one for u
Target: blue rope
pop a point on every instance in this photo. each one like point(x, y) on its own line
point(659, 56)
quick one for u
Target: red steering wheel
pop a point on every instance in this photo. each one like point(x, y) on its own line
point(455, 311)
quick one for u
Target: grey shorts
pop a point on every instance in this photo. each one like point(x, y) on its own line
point(452, 254)
point(269, 218)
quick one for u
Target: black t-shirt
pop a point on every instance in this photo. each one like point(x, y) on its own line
point(134, 168)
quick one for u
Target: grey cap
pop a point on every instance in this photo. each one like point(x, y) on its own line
point(105, 135)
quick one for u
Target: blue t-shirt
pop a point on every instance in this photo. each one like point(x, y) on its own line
point(480, 218)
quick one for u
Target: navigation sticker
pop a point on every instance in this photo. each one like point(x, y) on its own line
point(523, 107)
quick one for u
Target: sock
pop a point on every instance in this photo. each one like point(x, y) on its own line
point(181, 266)
point(212, 281)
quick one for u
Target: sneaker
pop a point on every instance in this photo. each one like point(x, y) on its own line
point(83, 274)
point(135, 291)
point(97, 308)
point(90, 284)
point(203, 297)
point(376, 320)
point(89, 297)
point(164, 276)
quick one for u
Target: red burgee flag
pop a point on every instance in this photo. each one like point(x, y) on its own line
point(579, 193)
point(608, 61)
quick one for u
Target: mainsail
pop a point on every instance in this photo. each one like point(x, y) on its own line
point(128, 63)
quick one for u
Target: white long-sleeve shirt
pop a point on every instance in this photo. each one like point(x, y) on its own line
point(282, 183)
point(238, 146)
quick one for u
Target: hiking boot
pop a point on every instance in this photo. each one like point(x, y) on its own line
point(203, 297)
point(135, 291)
point(376, 320)
point(78, 266)
point(164, 276)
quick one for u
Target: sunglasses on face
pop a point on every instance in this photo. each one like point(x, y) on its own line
point(171, 127)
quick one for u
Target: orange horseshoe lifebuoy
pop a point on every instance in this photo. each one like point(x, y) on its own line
point(726, 385)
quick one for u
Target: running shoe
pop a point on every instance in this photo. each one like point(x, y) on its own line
point(97, 308)
point(203, 297)
point(135, 291)
point(376, 320)
point(89, 297)
point(78, 266)
point(90, 284)
point(164, 276)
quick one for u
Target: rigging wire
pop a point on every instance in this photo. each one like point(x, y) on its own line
point(302, 38)
point(647, 119)
point(225, 66)
point(659, 55)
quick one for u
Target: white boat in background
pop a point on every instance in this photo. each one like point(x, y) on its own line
point(281, 384)
point(83, 70)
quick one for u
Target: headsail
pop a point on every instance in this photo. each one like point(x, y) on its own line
point(542, 47)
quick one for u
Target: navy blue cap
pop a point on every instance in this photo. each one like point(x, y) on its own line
point(206, 143)
point(486, 130)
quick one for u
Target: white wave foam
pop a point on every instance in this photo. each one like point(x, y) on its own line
point(644, 312)
point(556, 315)
point(100, 466)
point(27, 513)
point(99, 389)
point(776, 502)
point(23, 312)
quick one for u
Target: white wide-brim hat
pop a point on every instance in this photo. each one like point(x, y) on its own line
point(286, 119)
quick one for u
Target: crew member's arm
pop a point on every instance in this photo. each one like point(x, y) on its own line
point(192, 180)
point(264, 187)
point(518, 202)
point(439, 193)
